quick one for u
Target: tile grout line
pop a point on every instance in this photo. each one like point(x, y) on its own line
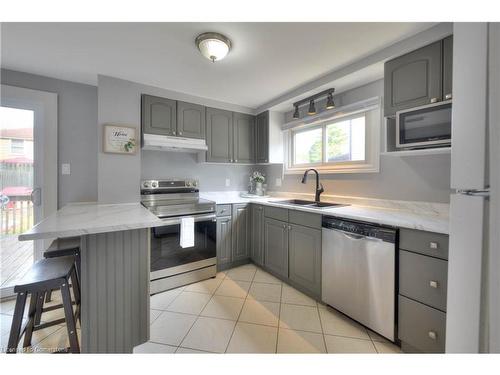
point(242, 307)
point(322, 330)
point(279, 320)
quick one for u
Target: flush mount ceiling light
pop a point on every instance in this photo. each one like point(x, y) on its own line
point(312, 107)
point(213, 46)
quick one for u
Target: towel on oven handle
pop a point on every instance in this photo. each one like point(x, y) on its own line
point(187, 232)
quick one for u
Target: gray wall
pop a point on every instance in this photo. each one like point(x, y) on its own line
point(119, 175)
point(416, 178)
point(77, 134)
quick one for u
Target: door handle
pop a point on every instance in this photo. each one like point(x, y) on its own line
point(36, 196)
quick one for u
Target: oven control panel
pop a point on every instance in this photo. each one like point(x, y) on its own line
point(168, 184)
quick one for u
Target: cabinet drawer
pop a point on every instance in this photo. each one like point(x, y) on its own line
point(305, 218)
point(421, 326)
point(428, 243)
point(276, 213)
point(223, 210)
point(423, 278)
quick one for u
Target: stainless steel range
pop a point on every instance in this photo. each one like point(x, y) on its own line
point(173, 265)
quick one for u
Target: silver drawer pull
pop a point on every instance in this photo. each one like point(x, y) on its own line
point(434, 100)
point(433, 245)
point(432, 335)
point(447, 96)
point(433, 284)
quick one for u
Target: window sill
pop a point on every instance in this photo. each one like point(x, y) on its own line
point(364, 168)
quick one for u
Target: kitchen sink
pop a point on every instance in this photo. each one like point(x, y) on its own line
point(305, 203)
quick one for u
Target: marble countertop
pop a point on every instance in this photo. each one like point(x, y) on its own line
point(432, 217)
point(76, 219)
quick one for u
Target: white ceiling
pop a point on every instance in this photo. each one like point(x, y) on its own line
point(267, 59)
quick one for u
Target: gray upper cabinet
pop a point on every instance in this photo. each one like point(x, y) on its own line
point(305, 258)
point(243, 138)
point(276, 246)
point(413, 79)
point(158, 115)
point(262, 137)
point(190, 120)
point(224, 240)
point(448, 68)
point(257, 243)
point(219, 135)
point(241, 232)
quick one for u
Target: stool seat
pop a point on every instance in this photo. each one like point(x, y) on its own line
point(44, 271)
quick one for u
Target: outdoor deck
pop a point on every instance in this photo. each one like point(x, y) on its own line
point(16, 259)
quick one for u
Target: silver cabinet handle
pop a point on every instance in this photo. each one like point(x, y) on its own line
point(289, 227)
point(432, 335)
point(236, 160)
point(433, 245)
point(173, 132)
point(284, 226)
point(448, 96)
point(180, 133)
point(433, 284)
point(434, 100)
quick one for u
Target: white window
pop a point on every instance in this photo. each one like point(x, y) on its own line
point(17, 146)
point(345, 144)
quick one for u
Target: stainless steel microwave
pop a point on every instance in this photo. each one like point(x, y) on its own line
point(425, 126)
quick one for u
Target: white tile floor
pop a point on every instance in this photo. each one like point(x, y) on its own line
point(242, 310)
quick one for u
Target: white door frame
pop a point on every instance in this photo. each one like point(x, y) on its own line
point(44, 106)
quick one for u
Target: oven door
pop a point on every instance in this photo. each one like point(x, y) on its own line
point(425, 126)
point(168, 258)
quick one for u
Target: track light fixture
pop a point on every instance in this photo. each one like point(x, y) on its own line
point(312, 107)
point(329, 102)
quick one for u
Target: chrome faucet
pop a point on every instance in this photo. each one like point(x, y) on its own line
point(319, 186)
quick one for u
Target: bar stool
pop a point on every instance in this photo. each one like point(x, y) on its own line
point(63, 247)
point(44, 276)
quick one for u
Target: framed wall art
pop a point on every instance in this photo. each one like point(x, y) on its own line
point(119, 139)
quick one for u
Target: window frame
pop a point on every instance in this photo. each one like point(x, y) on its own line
point(371, 163)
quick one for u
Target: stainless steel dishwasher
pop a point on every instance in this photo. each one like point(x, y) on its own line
point(359, 272)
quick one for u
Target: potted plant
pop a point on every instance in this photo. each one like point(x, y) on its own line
point(258, 179)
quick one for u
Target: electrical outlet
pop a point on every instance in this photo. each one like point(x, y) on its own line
point(65, 168)
point(228, 182)
point(278, 182)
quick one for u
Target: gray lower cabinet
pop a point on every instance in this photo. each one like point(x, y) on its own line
point(413, 79)
point(243, 138)
point(190, 120)
point(423, 275)
point(241, 232)
point(219, 125)
point(276, 246)
point(158, 115)
point(257, 240)
point(262, 137)
point(304, 257)
point(224, 240)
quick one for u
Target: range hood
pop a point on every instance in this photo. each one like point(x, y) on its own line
point(178, 144)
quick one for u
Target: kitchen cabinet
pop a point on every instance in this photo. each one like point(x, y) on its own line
point(243, 138)
point(414, 79)
point(423, 275)
point(190, 120)
point(448, 68)
point(276, 246)
point(224, 240)
point(262, 137)
point(241, 232)
point(257, 240)
point(219, 125)
point(158, 115)
point(304, 257)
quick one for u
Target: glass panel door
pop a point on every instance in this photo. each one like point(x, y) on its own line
point(16, 187)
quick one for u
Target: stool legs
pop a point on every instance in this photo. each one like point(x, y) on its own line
point(17, 320)
point(39, 308)
point(31, 319)
point(48, 296)
point(75, 283)
point(70, 319)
